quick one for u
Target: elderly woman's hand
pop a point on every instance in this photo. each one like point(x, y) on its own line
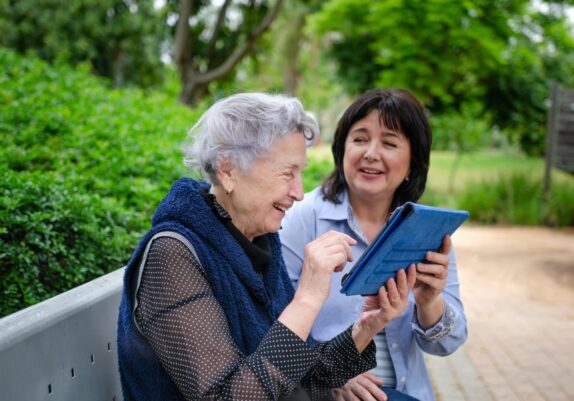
point(430, 283)
point(387, 305)
point(328, 253)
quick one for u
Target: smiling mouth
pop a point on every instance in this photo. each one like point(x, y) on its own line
point(280, 208)
point(373, 172)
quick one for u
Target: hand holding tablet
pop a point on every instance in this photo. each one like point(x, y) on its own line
point(411, 232)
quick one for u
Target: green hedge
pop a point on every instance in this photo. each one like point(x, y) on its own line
point(82, 167)
point(55, 237)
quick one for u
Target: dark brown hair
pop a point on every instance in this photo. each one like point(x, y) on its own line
point(399, 110)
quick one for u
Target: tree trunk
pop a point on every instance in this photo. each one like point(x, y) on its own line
point(118, 66)
point(292, 49)
point(195, 84)
point(182, 42)
point(192, 92)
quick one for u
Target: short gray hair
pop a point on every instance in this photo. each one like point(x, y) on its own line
point(242, 127)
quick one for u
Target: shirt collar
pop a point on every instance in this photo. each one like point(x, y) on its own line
point(341, 212)
point(336, 211)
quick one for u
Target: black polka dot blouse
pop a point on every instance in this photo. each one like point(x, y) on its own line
point(186, 326)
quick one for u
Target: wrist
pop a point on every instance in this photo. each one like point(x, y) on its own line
point(363, 333)
point(430, 313)
point(300, 314)
point(431, 303)
point(307, 301)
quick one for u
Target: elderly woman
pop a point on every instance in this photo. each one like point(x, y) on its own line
point(208, 311)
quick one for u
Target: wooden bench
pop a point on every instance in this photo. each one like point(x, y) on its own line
point(65, 347)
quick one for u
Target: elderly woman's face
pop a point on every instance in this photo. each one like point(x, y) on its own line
point(261, 196)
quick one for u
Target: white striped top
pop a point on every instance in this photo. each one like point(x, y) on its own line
point(385, 369)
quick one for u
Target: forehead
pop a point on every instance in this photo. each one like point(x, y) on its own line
point(379, 118)
point(373, 124)
point(286, 151)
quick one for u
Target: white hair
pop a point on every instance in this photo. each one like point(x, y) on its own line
point(242, 127)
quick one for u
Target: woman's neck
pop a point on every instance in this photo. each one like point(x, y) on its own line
point(225, 201)
point(370, 214)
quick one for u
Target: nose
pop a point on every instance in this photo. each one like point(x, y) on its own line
point(372, 152)
point(296, 188)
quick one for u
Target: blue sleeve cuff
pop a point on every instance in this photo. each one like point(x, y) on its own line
point(440, 330)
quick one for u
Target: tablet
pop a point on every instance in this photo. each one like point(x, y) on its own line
point(412, 231)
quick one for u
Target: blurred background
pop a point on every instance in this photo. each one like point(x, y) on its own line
point(96, 97)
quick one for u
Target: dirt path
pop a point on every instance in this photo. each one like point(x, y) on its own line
point(532, 262)
point(517, 285)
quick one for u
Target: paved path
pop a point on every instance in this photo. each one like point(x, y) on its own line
point(518, 290)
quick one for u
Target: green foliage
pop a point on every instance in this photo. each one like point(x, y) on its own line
point(439, 49)
point(295, 63)
point(208, 40)
point(561, 205)
point(82, 169)
point(465, 131)
point(319, 166)
point(518, 199)
point(501, 54)
point(53, 237)
point(462, 132)
point(119, 39)
point(510, 199)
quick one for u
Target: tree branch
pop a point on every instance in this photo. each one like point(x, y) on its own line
point(182, 45)
point(241, 50)
point(216, 31)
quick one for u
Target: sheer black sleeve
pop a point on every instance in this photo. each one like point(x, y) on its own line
point(338, 362)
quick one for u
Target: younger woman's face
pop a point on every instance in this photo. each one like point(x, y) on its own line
point(376, 159)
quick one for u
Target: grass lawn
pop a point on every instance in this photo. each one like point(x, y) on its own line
point(450, 173)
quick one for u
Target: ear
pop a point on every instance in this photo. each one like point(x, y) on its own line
point(226, 175)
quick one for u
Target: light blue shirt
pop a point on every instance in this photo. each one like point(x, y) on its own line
point(406, 340)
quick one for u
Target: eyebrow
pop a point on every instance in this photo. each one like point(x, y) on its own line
point(392, 133)
point(385, 133)
point(292, 166)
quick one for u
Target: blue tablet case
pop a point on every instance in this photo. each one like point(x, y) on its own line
point(412, 231)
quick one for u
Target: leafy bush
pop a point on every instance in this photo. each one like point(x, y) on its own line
point(82, 167)
point(317, 170)
point(53, 237)
point(518, 199)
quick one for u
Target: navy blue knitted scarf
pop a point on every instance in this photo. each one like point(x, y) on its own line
point(251, 302)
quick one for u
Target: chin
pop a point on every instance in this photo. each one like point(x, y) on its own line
point(274, 228)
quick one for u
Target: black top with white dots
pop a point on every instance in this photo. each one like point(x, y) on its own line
point(186, 326)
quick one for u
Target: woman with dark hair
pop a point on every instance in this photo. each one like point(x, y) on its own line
point(381, 151)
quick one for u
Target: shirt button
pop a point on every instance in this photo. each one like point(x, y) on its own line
point(394, 345)
point(403, 379)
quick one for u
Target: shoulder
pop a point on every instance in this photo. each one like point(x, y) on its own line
point(172, 249)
